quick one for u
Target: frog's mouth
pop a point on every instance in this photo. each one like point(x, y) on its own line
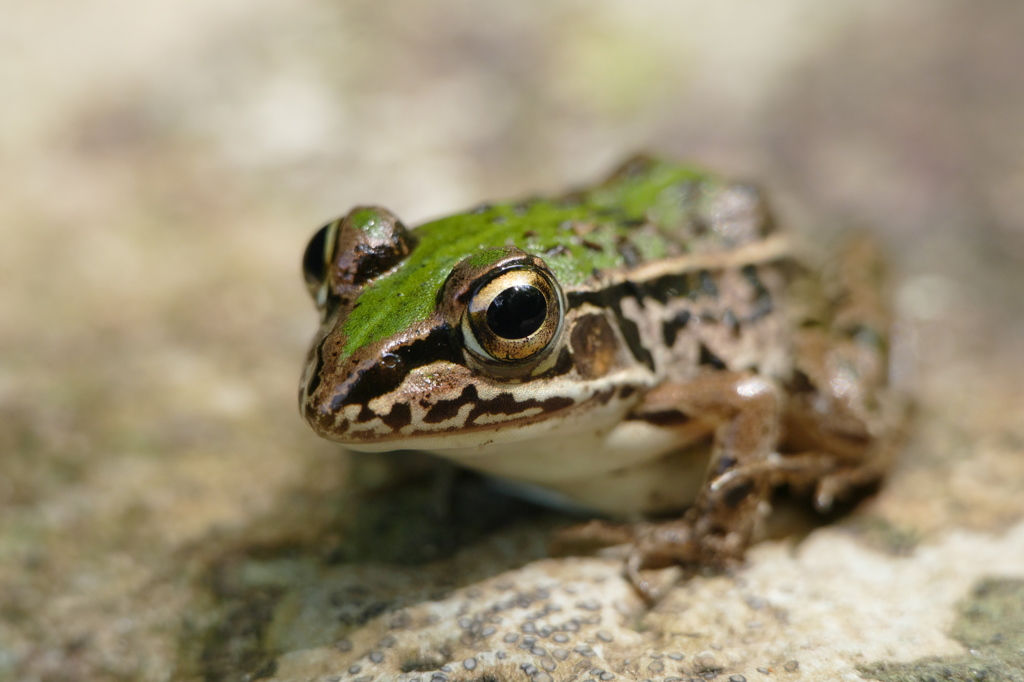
point(439, 398)
point(463, 411)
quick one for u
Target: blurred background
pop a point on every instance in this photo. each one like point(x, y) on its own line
point(162, 165)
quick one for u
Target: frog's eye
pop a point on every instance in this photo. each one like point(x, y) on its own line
point(317, 256)
point(514, 315)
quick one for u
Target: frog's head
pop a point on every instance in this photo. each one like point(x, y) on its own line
point(431, 339)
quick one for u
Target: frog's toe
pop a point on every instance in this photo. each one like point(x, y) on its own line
point(660, 546)
point(846, 486)
point(650, 585)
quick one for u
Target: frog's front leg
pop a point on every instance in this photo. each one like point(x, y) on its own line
point(746, 410)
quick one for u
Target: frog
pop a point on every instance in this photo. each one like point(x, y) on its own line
point(652, 348)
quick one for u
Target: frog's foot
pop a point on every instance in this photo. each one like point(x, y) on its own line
point(683, 544)
point(659, 546)
point(651, 546)
point(641, 546)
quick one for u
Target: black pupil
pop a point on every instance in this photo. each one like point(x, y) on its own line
point(313, 263)
point(517, 312)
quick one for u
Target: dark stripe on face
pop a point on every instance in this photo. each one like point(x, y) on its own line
point(547, 406)
point(506, 404)
point(444, 410)
point(400, 415)
point(503, 404)
point(378, 380)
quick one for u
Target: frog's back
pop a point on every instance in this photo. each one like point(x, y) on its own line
point(646, 212)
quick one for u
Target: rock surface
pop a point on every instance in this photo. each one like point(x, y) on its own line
point(824, 612)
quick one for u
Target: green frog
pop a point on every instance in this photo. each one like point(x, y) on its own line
point(647, 346)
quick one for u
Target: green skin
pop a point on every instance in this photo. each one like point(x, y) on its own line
point(538, 227)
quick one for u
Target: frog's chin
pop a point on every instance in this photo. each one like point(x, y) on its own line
point(629, 469)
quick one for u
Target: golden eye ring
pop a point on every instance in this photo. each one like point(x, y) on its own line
point(514, 315)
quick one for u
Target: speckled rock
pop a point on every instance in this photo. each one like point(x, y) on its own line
point(553, 619)
point(823, 611)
